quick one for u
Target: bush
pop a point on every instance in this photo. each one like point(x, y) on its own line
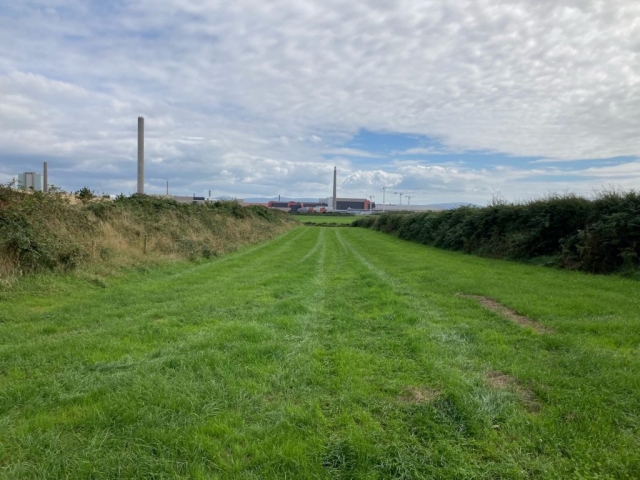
point(84, 194)
point(600, 235)
point(45, 231)
point(27, 224)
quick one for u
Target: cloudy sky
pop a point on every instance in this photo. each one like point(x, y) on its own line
point(445, 101)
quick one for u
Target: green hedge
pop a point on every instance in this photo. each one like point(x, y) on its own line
point(600, 235)
point(45, 231)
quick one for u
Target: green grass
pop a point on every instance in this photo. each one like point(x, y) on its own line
point(326, 353)
point(321, 219)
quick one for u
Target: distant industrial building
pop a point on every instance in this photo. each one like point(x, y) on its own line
point(346, 204)
point(274, 204)
point(321, 206)
point(188, 199)
point(294, 207)
point(31, 181)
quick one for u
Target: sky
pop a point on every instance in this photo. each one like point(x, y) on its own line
point(444, 101)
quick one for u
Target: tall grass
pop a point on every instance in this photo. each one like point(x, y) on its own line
point(599, 235)
point(47, 232)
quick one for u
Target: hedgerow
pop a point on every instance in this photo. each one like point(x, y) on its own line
point(599, 235)
point(50, 231)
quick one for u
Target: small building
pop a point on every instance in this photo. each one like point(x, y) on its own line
point(31, 181)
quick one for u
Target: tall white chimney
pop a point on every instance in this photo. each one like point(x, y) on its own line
point(335, 180)
point(140, 154)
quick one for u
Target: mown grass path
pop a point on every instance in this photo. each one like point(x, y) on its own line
point(326, 353)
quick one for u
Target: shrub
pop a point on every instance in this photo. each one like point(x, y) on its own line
point(84, 194)
point(599, 235)
point(45, 231)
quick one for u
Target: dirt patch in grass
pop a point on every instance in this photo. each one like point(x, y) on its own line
point(419, 395)
point(507, 313)
point(503, 381)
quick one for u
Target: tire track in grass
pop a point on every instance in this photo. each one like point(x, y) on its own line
point(397, 286)
point(407, 367)
point(472, 285)
point(439, 321)
point(502, 310)
point(225, 299)
point(246, 252)
point(441, 333)
point(432, 318)
point(208, 273)
point(165, 298)
point(247, 276)
point(263, 263)
point(285, 257)
point(320, 241)
point(403, 289)
point(188, 351)
point(318, 344)
point(288, 394)
point(315, 302)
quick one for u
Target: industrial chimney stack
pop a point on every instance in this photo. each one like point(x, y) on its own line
point(335, 179)
point(45, 171)
point(140, 155)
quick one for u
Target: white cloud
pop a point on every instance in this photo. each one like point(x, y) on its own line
point(366, 180)
point(261, 91)
point(627, 172)
point(351, 152)
point(422, 151)
point(453, 182)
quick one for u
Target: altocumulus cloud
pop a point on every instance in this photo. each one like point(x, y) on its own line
point(256, 98)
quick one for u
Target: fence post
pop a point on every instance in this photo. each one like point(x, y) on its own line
point(144, 248)
point(93, 249)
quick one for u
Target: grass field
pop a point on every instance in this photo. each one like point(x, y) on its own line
point(319, 219)
point(326, 353)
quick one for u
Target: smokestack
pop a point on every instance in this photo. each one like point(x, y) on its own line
point(45, 171)
point(335, 180)
point(140, 154)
